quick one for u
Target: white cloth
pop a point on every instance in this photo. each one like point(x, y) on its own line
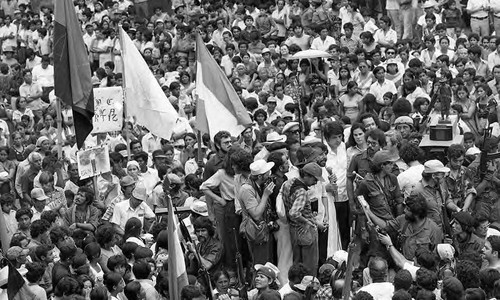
point(379, 290)
point(409, 179)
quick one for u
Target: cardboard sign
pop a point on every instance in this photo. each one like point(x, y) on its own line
point(93, 162)
point(108, 109)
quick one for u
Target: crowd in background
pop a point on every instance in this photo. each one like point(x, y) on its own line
point(275, 212)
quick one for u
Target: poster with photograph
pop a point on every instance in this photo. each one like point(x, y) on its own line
point(93, 161)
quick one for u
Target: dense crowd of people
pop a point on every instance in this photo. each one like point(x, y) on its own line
point(335, 190)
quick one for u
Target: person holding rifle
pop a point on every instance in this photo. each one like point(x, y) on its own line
point(414, 228)
point(433, 188)
point(380, 187)
point(463, 232)
point(209, 248)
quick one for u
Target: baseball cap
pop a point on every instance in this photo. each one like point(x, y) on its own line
point(383, 156)
point(159, 154)
point(266, 50)
point(313, 169)
point(465, 218)
point(403, 120)
point(14, 252)
point(174, 179)
point(435, 166)
point(140, 192)
point(127, 181)
point(267, 271)
point(38, 194)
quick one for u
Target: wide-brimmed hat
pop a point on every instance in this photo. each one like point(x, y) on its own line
point(429, 4)
point(275, 137)
point(199, 207)
point(435, 166)
point(289, 126)
point(260, 167)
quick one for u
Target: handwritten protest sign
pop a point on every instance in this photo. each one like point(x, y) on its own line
point(108, 103)
point(93, 161)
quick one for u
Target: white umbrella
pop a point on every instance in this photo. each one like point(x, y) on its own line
point(310, 54)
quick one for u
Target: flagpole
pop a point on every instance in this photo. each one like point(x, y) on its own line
point(59, 128)
point(200, 155)
point(124, 88)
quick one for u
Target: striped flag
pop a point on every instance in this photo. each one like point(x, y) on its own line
point(144, 97)
point(177, 278)
point(72, 74)
point(219, 107)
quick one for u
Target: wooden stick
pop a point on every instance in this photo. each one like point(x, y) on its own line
point(124, 88)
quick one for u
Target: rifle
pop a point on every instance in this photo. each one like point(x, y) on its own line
point(203, 271)
point(346, 291)
point(446, 220)
point(242, 287)
point(425, 117)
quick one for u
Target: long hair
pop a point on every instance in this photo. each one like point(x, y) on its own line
point(133, 228)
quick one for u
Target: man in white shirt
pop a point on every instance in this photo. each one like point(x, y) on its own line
point(408, 179)
point(89, 35)
point(336, 165)
point(43, 74)
point(495, 9)
point(32, 92)
point(272, 113)
point(226, 60)
point(479, 18)
point(380, 289)
point(150, 142)
point(494, 57)
point(323, 41)
point(134, 207)
point(381, 86)
point(9, 34)
point(281, 98)
point(148, 175)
